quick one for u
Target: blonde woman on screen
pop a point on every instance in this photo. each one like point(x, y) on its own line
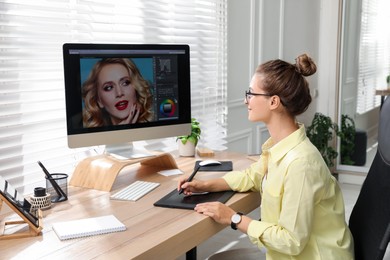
point(115, 94)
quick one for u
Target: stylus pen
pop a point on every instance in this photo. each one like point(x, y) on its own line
point(191, 177)
point(55, 185)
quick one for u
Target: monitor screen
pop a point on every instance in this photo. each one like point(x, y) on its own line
point(120, 93)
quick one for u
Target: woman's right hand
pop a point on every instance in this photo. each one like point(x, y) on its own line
point(191, 187)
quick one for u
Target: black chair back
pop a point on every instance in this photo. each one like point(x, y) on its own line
point(370, 217)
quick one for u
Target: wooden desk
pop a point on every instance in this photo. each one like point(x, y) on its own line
point(152, 232)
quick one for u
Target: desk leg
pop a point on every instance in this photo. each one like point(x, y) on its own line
point(191, 255)
point(382, 101)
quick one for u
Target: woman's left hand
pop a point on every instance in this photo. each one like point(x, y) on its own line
point(216, 210)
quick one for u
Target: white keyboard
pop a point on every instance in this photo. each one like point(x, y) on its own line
point(135, 191)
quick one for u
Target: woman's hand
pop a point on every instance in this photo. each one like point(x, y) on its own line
point(212, 185)
point(190, 187)
point(135, 111)
point(217, 211)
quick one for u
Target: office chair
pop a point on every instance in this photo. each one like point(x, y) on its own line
point(370, 217)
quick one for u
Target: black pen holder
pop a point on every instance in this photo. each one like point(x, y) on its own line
point(62, 180)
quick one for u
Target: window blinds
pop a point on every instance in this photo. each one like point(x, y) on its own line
point(32, 106)
point(374, 53)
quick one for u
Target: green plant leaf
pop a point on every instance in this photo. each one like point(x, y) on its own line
point(194, 136)
point(347, 139)
point(321, 132)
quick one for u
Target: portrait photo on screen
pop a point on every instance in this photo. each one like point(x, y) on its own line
point(117, 91)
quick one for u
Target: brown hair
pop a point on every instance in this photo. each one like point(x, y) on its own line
point(288, 81)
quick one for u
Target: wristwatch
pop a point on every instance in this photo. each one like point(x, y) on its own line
point(236, 219)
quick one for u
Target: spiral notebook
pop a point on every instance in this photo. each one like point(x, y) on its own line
point(88, 227)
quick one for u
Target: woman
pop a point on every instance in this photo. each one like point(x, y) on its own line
point(115, 93)
point(302, 208)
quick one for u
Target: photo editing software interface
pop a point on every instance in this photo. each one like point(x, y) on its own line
point(156, 77)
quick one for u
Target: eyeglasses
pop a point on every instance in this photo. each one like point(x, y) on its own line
point(249, 95)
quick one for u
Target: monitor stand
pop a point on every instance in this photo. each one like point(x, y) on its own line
point(127, 151)
point(99, 172)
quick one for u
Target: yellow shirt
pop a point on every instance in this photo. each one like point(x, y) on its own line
point(302, 208)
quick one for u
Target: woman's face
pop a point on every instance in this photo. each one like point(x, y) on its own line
point(115, 92)
point(258, 106)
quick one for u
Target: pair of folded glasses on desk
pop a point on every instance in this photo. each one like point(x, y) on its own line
point(135, 191)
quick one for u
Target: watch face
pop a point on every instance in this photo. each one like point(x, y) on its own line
point(236, 218)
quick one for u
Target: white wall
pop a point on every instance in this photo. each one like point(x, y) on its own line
point(260, 30)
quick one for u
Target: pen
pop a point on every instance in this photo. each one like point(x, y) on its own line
point(44, 170)
point(55, 185)
point(191, 177)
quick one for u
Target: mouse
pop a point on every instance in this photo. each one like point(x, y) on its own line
point(209, 163)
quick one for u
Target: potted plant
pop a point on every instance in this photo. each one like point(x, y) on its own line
point(347, 135)
point(187, 143)
point(321, 132)
point(388, 81)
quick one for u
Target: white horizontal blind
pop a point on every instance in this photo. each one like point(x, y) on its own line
point(32, 105)
point(374, 52)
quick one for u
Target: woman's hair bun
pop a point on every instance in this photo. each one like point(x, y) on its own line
point(305, 65)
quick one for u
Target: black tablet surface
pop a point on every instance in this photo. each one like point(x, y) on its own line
point(176, 200)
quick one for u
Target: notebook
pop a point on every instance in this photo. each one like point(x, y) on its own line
point(88, 227)
point(181, 201)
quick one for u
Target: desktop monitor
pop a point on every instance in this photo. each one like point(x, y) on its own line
point(119, 93)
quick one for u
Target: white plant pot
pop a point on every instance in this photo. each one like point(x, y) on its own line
point(187, 149)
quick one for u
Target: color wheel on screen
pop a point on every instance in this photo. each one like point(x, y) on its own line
point(167, 107)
